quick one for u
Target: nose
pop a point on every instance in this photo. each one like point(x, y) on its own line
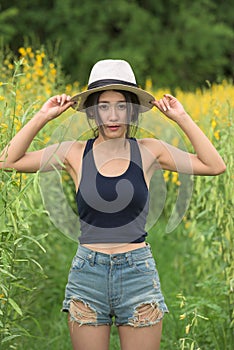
point(113, 113)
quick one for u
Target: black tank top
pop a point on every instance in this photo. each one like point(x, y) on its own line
point(112, 209)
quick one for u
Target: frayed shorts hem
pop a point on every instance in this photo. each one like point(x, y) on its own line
point(113, 323)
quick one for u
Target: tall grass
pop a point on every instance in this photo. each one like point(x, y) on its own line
point(195, 261)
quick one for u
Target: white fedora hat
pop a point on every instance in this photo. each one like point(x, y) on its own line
point(113, 75)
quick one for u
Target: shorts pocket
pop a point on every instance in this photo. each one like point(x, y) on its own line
point(77, 263)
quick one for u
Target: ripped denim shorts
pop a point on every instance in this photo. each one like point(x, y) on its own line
point(122, 287)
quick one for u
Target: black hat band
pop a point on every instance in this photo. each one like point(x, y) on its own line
point(103, 82)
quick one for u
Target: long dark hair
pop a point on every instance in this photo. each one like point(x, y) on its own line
point(133, 107)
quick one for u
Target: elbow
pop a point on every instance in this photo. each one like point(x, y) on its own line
point(220, 169)
point(4, 165)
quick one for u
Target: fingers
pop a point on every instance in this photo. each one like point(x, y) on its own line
point(164, 104)
point(62, 99)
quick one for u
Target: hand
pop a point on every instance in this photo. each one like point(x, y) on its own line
point(170, 106)
point(56, 105)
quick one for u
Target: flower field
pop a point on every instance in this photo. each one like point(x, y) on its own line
point(193, 246)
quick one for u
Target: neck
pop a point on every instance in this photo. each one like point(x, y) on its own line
point(111, 145)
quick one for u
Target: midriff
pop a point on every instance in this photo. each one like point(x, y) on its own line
point(114, 248)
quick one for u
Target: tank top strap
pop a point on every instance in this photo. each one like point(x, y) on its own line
point(135, 152)
point(88, 146)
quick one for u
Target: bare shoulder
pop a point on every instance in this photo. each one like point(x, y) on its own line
point(77, 146)
point(75, 149)
point(151, 145)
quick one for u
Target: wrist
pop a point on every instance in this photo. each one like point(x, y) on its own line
point(41, 117)
point(183, 119)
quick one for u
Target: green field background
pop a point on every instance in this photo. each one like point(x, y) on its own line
point(194, 260)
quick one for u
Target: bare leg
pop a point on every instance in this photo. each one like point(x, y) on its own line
point(85, 337)
point(147, 338)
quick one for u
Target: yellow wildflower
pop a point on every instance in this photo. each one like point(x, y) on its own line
point(148, 84)
point(66, 177)
point(217, 135)
point(175, 141)
point(40, 72)
point(182, 317)
point(17, 124)
point(48, 90)
point(22, 51)
point(68, 88)
point(3, 126)
point(174, 177)
point(28, 49)
point(76, 84)
point(213, 124)
point(53, 71)
point(216, 112)
point(46, 139)
point(166, 175)
point(1, 297)
point(28, 86)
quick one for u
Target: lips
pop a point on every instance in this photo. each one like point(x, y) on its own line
point(113, 127)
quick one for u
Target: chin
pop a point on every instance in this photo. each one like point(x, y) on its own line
point(114, 134)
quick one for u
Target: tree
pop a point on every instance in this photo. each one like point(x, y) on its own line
point(176, 43)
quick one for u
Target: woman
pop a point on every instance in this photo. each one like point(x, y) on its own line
point(113, 274)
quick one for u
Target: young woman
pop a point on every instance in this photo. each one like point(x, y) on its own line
point(113, 275)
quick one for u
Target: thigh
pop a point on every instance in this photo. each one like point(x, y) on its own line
point(138, 338)
point(85, 337)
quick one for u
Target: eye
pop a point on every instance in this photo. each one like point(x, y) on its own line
point(122, 106)
point(103, 106)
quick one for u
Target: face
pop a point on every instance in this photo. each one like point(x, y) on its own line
point(112, 110)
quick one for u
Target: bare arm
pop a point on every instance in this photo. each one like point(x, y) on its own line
point(15, 155)
point(205, 161)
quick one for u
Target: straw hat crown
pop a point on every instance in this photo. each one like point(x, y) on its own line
point(113, 75)
point(112, 69)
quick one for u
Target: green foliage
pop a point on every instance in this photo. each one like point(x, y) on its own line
point(195, 261)
point(177, 43)
point(211, 215)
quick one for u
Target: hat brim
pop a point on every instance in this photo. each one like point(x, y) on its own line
point(144, 97)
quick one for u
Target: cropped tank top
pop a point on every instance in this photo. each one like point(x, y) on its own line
point(112, 209)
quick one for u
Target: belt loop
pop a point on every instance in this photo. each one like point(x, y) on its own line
point(148, 246)
point(91, 257)
point(129, 258)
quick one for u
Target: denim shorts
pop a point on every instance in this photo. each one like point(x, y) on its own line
point(123, 288)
